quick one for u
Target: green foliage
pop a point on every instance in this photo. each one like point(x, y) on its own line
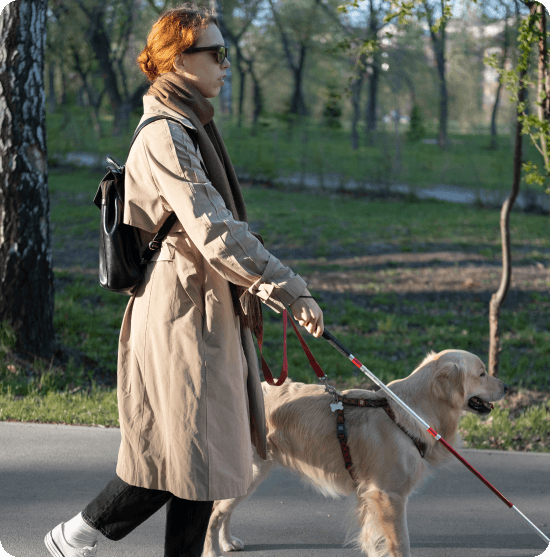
point(7, 338)
point(332, 111)
point(528, 39)
point(417, 131)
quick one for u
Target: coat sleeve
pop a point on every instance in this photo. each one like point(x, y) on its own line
point(225, 243)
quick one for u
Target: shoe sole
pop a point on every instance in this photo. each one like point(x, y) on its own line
point(51, 546)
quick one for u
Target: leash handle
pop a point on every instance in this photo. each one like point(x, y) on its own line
point(312, 361)
point(284, 372)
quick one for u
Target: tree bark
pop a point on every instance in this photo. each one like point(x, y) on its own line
point(51, 84)
point(371, 109)
point(26, 275)
point(370, 118)
point(257, 95)
point(498, 297)
point(356, 86)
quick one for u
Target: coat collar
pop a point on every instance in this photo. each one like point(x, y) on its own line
point(152, 105)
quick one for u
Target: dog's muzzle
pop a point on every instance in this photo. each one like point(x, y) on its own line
point(480, 406)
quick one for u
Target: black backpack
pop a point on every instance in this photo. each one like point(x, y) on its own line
point(121, 267)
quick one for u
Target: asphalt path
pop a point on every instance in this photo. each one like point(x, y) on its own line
point(49, 473)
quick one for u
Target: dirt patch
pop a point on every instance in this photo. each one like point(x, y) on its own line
point(420, 273)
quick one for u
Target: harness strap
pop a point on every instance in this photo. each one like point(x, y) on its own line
point(383, 403)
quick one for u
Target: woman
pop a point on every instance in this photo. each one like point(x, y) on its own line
point(189, 392)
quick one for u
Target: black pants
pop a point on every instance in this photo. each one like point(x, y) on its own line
point(121, 507)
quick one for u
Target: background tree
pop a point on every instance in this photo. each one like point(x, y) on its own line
point(27, 292)
point(234, 27)
point(532, 32)
point(296, 21)
point(108, 28)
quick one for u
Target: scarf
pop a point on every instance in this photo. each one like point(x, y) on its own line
point(180, 95)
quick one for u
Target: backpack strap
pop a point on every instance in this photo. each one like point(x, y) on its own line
point(156, 242)
point(192, 133)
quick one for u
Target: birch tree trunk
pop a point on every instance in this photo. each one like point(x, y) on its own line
point(26, 275)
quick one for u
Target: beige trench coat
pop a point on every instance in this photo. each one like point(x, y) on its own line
point(189, 389)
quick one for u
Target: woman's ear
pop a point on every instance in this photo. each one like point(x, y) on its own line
point(178, 63)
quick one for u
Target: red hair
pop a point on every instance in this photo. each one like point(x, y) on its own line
point(174, 31)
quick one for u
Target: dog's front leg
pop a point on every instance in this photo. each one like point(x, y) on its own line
point(383, 520)
point(218, 528)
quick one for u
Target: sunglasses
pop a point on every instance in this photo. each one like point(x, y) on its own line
point(222, 51)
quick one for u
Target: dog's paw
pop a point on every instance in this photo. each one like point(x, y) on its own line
point(233, 544)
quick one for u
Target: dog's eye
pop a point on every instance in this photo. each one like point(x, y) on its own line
point(482, 374)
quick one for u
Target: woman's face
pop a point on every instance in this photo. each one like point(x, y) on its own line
point(202, 68)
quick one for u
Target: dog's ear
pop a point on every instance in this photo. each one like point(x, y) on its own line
point(448, 382)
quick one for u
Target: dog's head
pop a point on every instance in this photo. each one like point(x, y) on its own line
point(460, 377)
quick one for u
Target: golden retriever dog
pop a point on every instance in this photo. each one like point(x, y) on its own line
point(301, 436)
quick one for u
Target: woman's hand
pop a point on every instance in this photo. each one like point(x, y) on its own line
point(308, 314)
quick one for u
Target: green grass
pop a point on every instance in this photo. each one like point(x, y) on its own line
point(530, 431)
point(271, 151)
point(389, 332)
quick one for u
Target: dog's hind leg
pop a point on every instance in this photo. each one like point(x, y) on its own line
point(383, 520)
point(219, 533)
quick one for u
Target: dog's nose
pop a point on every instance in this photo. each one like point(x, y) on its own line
point(505, 386)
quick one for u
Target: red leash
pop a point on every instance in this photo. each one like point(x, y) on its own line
point(284, 372)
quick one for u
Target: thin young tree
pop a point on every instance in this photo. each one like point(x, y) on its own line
point(534, 27)
point(532, 31)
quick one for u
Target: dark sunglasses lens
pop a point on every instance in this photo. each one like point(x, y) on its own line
point(222, 54)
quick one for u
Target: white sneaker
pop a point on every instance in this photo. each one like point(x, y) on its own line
point(59, 547)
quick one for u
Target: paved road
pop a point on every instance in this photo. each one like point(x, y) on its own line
point(48, 473)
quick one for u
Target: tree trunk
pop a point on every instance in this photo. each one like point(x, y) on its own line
point(397, 159)
point(27, 291)
point(438, 42)
point(298, 105)
point(498, 297)
point(123, 111)
point(370, 128)
point(356, 87)
point(226, 106)
point(494, 143)
point(242, 79)
point(256, 95)
point(52, 101)
point(63, 101)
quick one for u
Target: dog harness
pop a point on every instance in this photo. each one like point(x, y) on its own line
point(335, 406)
point(366, 403)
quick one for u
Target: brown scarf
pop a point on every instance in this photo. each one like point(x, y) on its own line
point(180, 95)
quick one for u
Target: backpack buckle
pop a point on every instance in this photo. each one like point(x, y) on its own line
point(155, 245)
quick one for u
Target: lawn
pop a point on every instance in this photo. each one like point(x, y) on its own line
point(395, 278)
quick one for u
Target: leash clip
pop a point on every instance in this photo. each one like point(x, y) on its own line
point(329, 388)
